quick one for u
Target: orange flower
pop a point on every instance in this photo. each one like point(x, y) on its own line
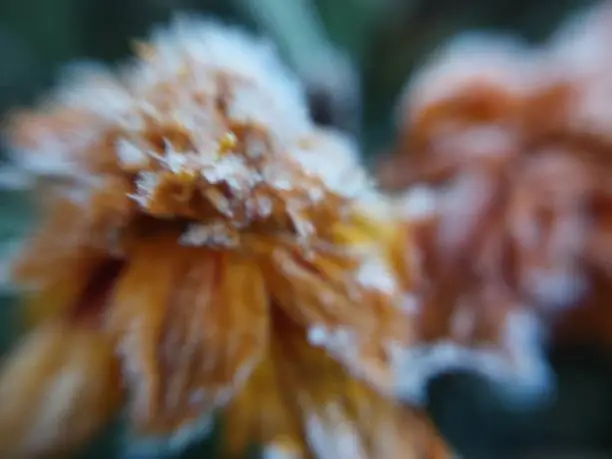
point(467, 318)
point(585, 201)
point(508, 149)
point(460, 124)
point(222, 245)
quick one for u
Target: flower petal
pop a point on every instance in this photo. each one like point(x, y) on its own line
point(192, 324)
point(354, 313)
point(302, 403)
point(259, 415)
point(343, 417)
point(470, 319)
point(55, 264)
point(75, 240)
point(58, 389)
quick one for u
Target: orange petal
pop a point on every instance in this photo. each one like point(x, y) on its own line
point(192, 324)
point(349, 296)
point(354, 313)
point(56, 265)
point(341, 416)
point(57, 390)
point(300, 403)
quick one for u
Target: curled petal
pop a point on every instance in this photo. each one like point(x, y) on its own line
point(57, 390)
point(486, 333)
point(192, 323)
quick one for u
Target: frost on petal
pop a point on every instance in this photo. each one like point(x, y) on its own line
point(220, 50)
point(463, 108)
point(325, 412)
point(486, 264)
point(465, 315)
point(203, 165)
point(471, 319)
point(578, 59)
point(91, 87)
point(469, 60)
point(416, 204)
point(343, 417)
point(518, 166)
point(58, 388)
point(507, 351)
point(334, 158)
point(192, 324)
point(205, 125)
point(350, 303)
point(68, 135)
point(52, 144)
point(581, 39)
point(196, 67)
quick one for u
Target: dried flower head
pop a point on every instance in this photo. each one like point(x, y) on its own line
point(513, 151)
point(198, 222)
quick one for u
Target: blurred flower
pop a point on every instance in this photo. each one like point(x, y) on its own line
point(225, 248)
point(580, 67)
point(467, 319)
point(509, 147)
point(63, 386)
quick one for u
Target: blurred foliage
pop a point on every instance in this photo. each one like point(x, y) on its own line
point(387, 39)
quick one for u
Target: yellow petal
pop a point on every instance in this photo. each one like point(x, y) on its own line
point(192, 324)
point(57, 390)
point(259, 415)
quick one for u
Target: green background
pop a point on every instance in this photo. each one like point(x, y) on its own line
point(387, 39)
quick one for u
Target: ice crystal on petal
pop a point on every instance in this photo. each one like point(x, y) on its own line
point(470, 59)
point(198, 219)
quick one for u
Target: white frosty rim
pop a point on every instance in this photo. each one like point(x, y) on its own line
point(517, 367)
